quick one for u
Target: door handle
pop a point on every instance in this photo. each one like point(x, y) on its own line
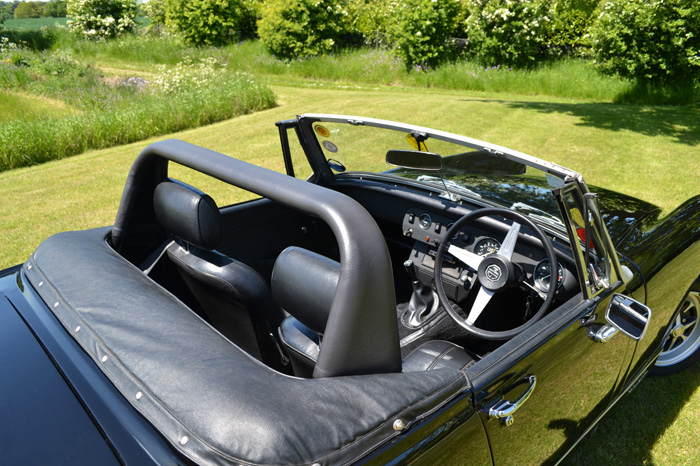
point(504, 409)
point(601, 333)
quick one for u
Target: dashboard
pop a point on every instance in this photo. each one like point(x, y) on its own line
point(482, 237)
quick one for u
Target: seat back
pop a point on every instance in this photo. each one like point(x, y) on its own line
point(303, 284)
point(234, 298)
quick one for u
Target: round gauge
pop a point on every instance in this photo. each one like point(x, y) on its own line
point(425, 221)
point(486, 246)
point(542, 276)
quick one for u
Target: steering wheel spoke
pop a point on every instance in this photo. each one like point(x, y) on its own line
point(508, 246)
point(482, 299)
point(469, 258)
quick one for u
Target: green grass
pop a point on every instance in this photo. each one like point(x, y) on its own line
point(30, 108)
point(33, 24)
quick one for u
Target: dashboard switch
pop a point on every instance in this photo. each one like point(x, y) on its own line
point(408, 232)
point(438, 227)
point(411, 218)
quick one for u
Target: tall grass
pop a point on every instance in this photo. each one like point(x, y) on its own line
point(29, 142)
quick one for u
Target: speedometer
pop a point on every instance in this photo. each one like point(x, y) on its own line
point(486, 247)
point(542, 276)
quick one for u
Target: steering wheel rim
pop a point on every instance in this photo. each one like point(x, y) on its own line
point(501, 261)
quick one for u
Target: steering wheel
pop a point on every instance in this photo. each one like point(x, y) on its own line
point(495, 272)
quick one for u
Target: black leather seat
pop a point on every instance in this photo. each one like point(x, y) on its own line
point(233, 296)
point(304, 283)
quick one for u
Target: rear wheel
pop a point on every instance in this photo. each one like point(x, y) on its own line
point(682, 347)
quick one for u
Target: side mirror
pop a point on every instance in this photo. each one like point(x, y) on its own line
point(414, 159)
point(628, 315)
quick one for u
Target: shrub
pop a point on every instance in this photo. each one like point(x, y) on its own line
point(571, 21)
point(304, 28)
point(210, 22)
point(652, 41)
point(373, 20)
point(506, 32)
point(101, 19)
point(423, 32)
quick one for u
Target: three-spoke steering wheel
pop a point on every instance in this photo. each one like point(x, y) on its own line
point(495, 272)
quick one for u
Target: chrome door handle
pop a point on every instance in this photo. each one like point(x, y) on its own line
point(601, 333)
point(504, 409)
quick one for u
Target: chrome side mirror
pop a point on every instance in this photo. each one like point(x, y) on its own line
point(628, 315)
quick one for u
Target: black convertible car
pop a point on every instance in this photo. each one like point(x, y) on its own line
point(421, 297)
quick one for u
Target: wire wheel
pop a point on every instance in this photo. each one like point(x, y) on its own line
point(681, 346)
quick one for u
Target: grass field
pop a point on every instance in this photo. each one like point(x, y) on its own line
point(33, 24)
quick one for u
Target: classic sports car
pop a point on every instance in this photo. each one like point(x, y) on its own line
point(421, 297)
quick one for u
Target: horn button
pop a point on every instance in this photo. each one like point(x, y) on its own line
point(495, 272)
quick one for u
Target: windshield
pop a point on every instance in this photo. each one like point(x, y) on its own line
point(470, 169)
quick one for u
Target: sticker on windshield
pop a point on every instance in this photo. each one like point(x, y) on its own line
point(322, 131)
point(412, 141)
point(330, 147)
point(577, 217)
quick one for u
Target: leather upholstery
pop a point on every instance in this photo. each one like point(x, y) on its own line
point(437, 354)
point(233, 296)
point(190, 215)
point(194, 384)
point(304, 284)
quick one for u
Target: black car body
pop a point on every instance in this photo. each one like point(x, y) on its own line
point(385, 314)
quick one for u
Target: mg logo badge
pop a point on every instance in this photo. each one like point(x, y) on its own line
point(493, 272)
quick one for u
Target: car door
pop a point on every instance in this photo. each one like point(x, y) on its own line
point(550, 384)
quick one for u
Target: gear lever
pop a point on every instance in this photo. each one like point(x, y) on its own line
point(423, 302)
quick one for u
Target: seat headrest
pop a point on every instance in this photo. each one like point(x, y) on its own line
point(304, 283)
point(188, 214)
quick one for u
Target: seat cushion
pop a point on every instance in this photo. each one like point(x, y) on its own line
point(437, 354)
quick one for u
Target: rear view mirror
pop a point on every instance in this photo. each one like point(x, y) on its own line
point(628, 315)
point(414, 159)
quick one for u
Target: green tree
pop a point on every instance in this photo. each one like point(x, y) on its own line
point(28, 10)
point(654, 42)
point(508, 32)
point(304, 28)
point(211, 22)
point(101, 19)
point(55, 9)
point(571, 21)
point(423, 31)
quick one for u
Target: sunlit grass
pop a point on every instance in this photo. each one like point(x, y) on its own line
point(15, 105)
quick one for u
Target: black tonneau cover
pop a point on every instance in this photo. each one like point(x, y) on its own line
point(207, 397)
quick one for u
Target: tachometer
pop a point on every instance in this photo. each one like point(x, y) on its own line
point(486, 247)
point(542, 276)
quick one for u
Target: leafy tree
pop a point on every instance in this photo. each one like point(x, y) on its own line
point(655, 41)
point(303, 28)
point(101, 19)
point(28, 10)
point(211, 22)
point(155, 10)
point(571, 21)
point(508, 32)
point(423, 32)
point(55, 9)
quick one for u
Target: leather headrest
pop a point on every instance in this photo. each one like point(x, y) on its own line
point(188, 214)
point(304, 283)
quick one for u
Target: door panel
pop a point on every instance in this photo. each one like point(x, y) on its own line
point(576, 380)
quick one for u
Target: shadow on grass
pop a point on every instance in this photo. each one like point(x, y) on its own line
point(628, 433)
point(680, 123)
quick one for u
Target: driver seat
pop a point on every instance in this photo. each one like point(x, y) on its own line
point(304, 284)
point(234, 298)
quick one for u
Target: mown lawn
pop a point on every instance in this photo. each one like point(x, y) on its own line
point(648, 152)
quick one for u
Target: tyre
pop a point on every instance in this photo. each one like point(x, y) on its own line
point(682, 346)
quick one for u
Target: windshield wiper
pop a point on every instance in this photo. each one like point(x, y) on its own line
point(449, 185)
point(539, 214)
